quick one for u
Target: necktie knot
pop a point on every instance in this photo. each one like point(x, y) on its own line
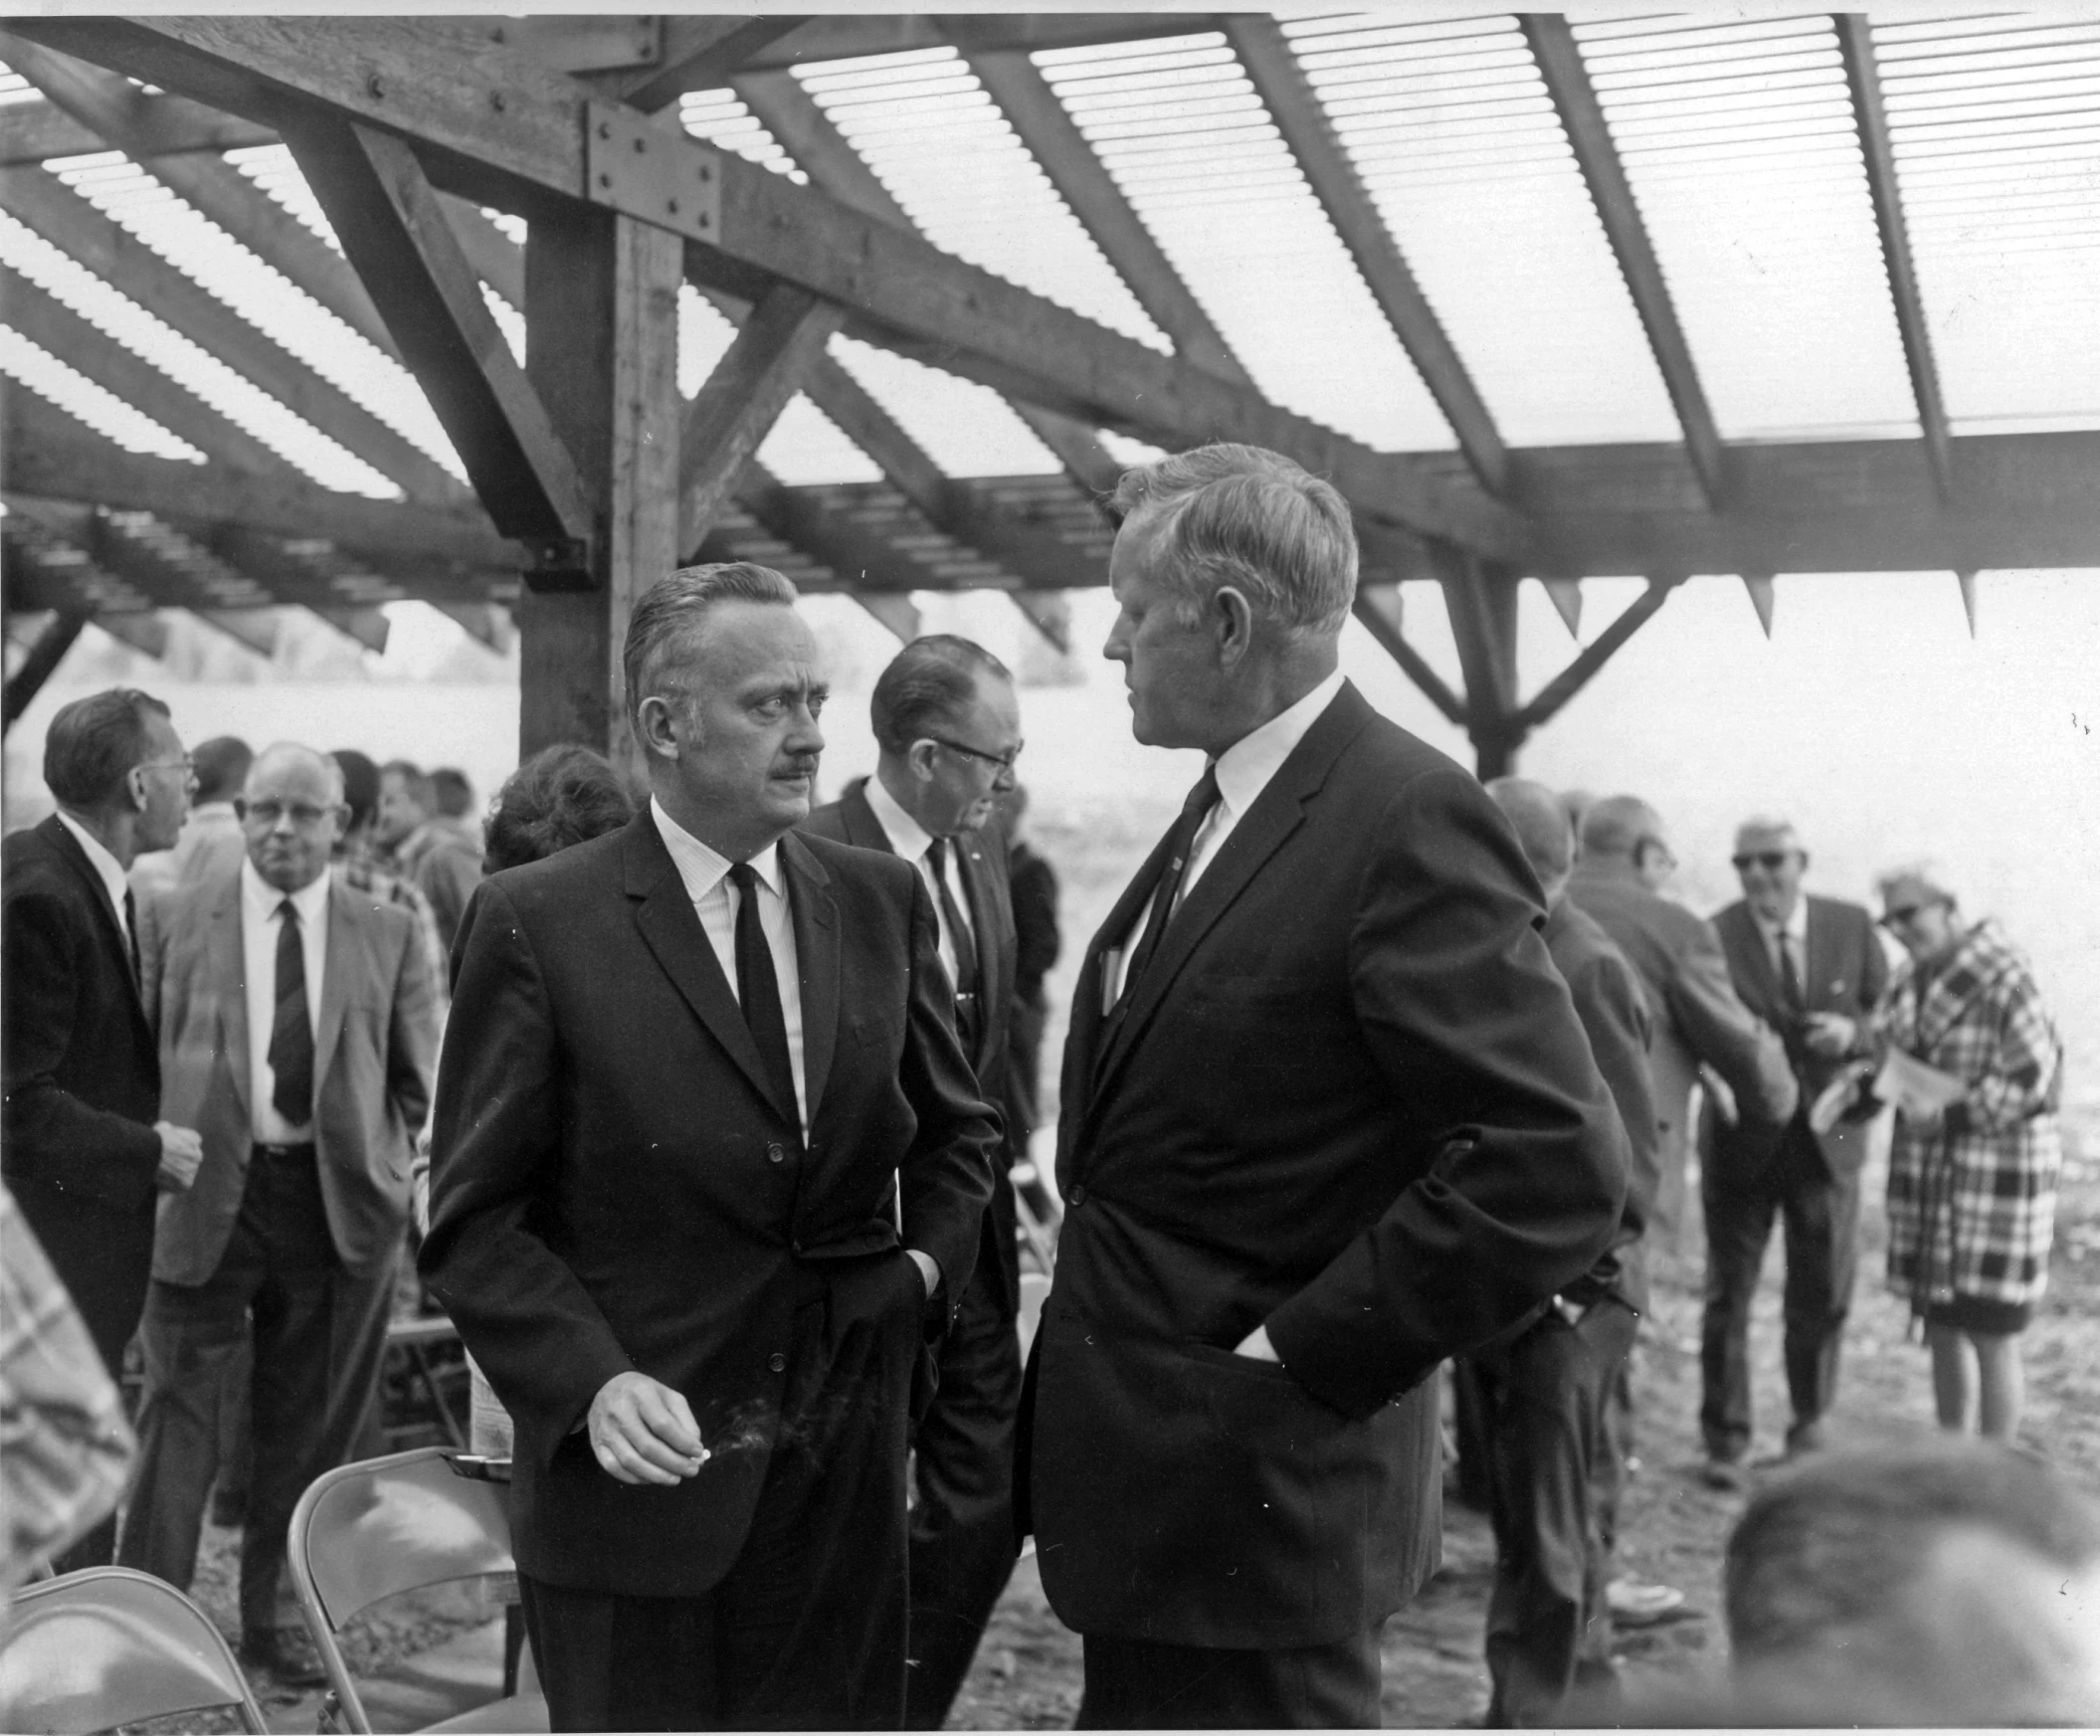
point(288, 911)
point(744, 876)
point(1204, 796)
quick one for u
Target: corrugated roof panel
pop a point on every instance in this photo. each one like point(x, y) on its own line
point(1452, 128)
point(720, 117)
point(966, 428)
point(935, 138)
point(1186, 138)
point(14, 87)
point(139, 332)
point(1739, 141)
point(32, 366)
point(1998, 153)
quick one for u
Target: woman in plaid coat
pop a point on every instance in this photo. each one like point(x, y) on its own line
point(1972, 1188)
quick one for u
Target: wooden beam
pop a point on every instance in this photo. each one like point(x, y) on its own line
point(253, 630)
point(403, 245)
point(146, 632)
point(1559, 64)
point(368, 627)
point(1571, 680)
point(1856, 46)
point(40, 665)
point(743, 397)
point(68, 222)
point(897, 613)
point(34, 132)
point(486, 623)
point(1278, 79)
point(844, 35)
point(1394, 643)
point(1566, 595)
point(1055, 140)
point(860, 558)
point(1967, 582)
point(1048, 614)
point(412, 78)
point(700, 54)
point(1762, 598)
point(116, 110)
point(49, 324)
point(497, 259)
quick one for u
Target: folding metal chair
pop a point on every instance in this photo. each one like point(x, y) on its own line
point(104, 1647)
point(370, 1530)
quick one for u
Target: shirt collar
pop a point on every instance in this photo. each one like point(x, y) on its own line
point(906, 836)
point(1244, 769)
point(261, 898)
point(107, 868)
point(703, 867)
point(1796, 926)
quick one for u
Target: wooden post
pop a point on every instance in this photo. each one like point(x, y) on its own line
point(602, 347)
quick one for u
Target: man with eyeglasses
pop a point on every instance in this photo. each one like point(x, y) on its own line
point(947, 728)
point(298, 1024)
point(85, 1153)
point(1811, 968)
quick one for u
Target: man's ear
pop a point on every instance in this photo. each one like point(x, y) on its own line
point(1233, 621)
point(652, 720)
point(919, 758)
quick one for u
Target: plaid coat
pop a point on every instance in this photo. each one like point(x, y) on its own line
point(1972, 1203)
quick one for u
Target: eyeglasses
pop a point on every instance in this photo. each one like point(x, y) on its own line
point(267, 814)
point(1770, 860)
point(186, 765)
point(1004, 761)
point(1903, 916)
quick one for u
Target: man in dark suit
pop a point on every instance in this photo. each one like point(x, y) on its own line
point(1552, 1490)
point(1328, 1117)
point(1812, 969)
point(84, 1153)
point(299, 1032)
point(710, 1164)
point(948, 729)
point(1626, 861)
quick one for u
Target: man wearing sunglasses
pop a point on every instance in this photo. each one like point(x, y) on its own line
point(948, 729)
point(1812, 969)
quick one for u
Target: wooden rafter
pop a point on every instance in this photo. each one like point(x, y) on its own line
point(33, 132)
point(739, 401)
point(1295, 106)
point(699, 54)
point(1571, 680)
point(1855, 45)
point(904, 292)
point(43, 658)
point(402, 242)
point(68, 222)
point(1559, 64)
point(1412, 663)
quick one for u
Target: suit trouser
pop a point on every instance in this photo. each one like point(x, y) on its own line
point(806, 1629)
point(1819, 1217)
point(962, 1528)
point(1548, 1628)
point(1144, 1685)
point(320, 1336)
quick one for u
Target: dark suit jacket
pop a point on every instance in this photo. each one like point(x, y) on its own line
point(374, 1066)
point(1697, 1019)
point(81, 1079)
point(1351, 1100)
point(983, 868)
point(1614, 1009)
point(614, 1188)
point(1843, 971)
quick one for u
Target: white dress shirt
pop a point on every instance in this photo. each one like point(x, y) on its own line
point(1244, 771)
point(716, 898)
point(1791, 933)
point(107, 868)
point(915, 844)
point(260, 925)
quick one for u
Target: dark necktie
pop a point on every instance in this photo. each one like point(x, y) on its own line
point(759, 991)
point(951, 913)
point(1789, 976)
point(132, 936)
point(1201, 800)
point(291, 1030)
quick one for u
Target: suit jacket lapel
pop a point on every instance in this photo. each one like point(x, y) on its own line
point(343, 957)
point(671, 929)
point(62, 840)
point(1755, 947)
point(816, 920)
point(229, 976)
point(862, 830)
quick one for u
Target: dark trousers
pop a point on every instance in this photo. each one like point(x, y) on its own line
point(1548, 1628)
point(1142, 1684)
point(962, 1525)
point(1820, 1215)
point(806, 1630)
point(320, 1336)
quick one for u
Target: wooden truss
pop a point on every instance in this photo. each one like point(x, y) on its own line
point(590, 475)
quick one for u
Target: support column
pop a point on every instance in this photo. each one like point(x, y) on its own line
point(1482, 601)
point(602, 351)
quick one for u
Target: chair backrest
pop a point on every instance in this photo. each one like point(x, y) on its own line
point(104, 1647)
point(1035, 1288)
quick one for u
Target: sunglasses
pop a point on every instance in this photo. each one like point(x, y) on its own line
point(1770, 860)
point(1904, 914)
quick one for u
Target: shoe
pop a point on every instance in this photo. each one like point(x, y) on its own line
point(1635, 1605)
point(1804, 1439)
point(288, 1657)
point(1725, 1474)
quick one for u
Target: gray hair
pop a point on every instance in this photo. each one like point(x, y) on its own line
point(1539, 821)
point(1250, 519)
point(678, 603)
point(1768, 825)
point(94, 744)
point(1620, 826)
point(932, 681)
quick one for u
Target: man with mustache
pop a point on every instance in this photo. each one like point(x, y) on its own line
point(709, 1170)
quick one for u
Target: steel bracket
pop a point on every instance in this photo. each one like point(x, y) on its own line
point(639, 169)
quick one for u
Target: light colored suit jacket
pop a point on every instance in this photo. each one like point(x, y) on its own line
point(374, 1060)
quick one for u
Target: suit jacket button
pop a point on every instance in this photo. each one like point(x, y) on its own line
point(1077, 1198)
point(774, 1154)
point(777, 1363)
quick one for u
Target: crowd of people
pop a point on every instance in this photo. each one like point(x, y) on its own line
point(706, 1109)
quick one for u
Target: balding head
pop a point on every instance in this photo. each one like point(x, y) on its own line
point(291, 810)
point(1627, 829)
point(1539, 821)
